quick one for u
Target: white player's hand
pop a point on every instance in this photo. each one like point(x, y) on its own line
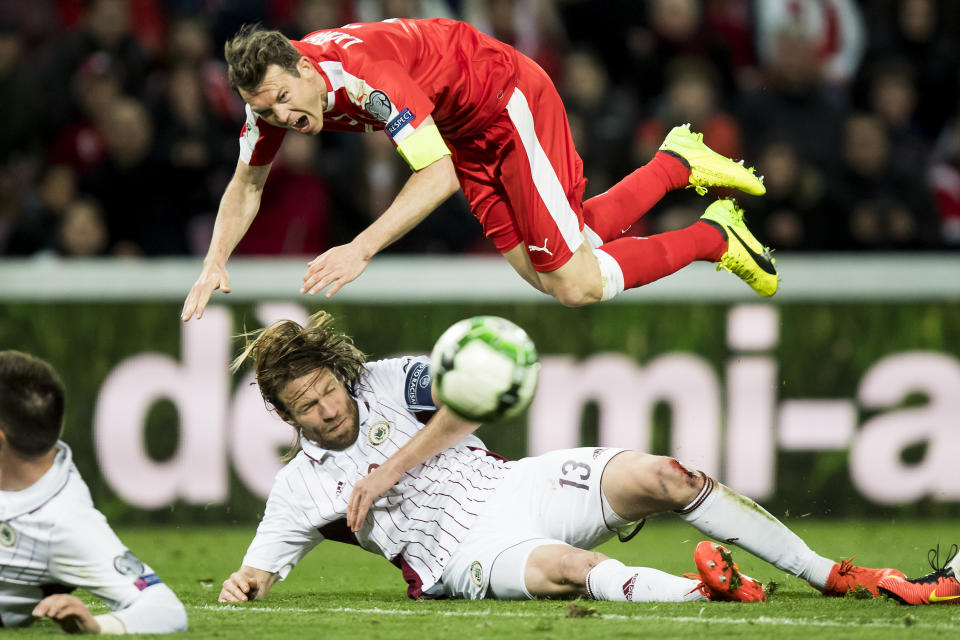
point(368, 489)
point(336, 266)
point(68, 612)
point(239, 588)
point(214, 276)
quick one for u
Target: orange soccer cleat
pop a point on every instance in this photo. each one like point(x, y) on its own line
point(939, 587)
point(720, 578)
point(846, 577)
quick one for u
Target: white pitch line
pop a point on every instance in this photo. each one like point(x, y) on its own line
point(765, 620)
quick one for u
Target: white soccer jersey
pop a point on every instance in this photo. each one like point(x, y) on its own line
point(53, 540)
point(418, 523)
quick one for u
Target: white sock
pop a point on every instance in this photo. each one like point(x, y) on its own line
point(611, 275)
point(955, 565)
point(612, 580)
point(725, 515)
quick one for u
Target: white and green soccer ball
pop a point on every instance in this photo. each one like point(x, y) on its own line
point(485, 368)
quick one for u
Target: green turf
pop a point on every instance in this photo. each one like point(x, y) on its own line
point(342, 592)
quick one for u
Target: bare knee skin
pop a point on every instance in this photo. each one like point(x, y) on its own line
point(638, 485)
point(559, 570)
point(578, 282)
point(575, 284)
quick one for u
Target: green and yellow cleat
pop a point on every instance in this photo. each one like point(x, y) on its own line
point(707, 167)
point(745, 257)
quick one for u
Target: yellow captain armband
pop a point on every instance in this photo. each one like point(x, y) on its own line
point(423, 147)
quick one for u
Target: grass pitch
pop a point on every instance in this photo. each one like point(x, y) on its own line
point(343, 592)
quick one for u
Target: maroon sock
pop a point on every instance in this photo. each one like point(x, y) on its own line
point(644, 260)
point(612, 212)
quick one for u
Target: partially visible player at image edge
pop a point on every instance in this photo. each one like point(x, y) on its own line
point(941, 586)
point(52, 539)
point(467, 111)
point(384, 466)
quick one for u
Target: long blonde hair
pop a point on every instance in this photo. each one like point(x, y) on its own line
point(285, 351)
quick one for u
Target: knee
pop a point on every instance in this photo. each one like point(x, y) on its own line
point(575, 293)
point(663, 481)
point(679, 484)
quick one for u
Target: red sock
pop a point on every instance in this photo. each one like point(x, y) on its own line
point(615, 210)
point(644, 260)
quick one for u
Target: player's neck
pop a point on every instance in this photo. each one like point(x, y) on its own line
point(17, 474)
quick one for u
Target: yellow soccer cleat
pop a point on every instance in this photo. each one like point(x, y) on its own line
point(745, 256)
point(707, 167)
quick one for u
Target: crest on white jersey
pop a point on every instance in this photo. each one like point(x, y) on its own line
point(379, 432)
point(476, 573)
point(8, 536)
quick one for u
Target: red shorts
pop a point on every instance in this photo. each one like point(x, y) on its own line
point(523, 177)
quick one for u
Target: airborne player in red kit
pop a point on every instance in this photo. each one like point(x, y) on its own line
point(467, 111)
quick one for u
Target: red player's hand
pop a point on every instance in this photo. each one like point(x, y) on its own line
point(336, 267)
point(214, 276)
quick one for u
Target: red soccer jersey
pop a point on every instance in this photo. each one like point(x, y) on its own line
point(391, 75)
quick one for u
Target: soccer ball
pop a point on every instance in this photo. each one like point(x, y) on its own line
point(485, 368)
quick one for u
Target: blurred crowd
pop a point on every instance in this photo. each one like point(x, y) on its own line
point(119, 129)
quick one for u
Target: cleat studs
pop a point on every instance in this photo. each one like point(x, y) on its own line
point(723, 578)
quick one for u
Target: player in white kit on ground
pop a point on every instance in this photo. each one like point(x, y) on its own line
point(52, 539)
point(464, 522)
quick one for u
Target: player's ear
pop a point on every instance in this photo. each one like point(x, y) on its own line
point(304, 66)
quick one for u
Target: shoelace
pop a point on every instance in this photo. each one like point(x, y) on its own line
point(846, 566)
point(933, 557)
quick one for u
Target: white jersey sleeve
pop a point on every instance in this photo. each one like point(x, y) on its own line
point(89, 555)
point(286, 532)
point(414, 371)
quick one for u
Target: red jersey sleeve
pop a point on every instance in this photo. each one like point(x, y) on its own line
point(259, 140)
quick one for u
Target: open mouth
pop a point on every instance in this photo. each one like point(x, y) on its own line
point(302, 124)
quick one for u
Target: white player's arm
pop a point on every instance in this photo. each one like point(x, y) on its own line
point(238, 208)
point(247, 583)
point(88, 555)
point(442, 431)
point(157, 610)
point(429, 186)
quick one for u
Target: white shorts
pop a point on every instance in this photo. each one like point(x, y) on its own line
point(550, 499)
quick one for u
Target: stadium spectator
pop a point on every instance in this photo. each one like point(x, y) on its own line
point(82, 232)
point(82, 143)
point(794, 198)
point(462, 522)
point(878, 204)
point(134, 187)
point(18, 108)
point(521, 174)
point(944, 179)
point(793, 104)
point(915, 31)
point(942, 586)
point(833, 28)
point(892, 95)
point(43, 211)
point(106, 30)
point(296, 208)
point(602, 116)
point(676, 29)
point(53, 539)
